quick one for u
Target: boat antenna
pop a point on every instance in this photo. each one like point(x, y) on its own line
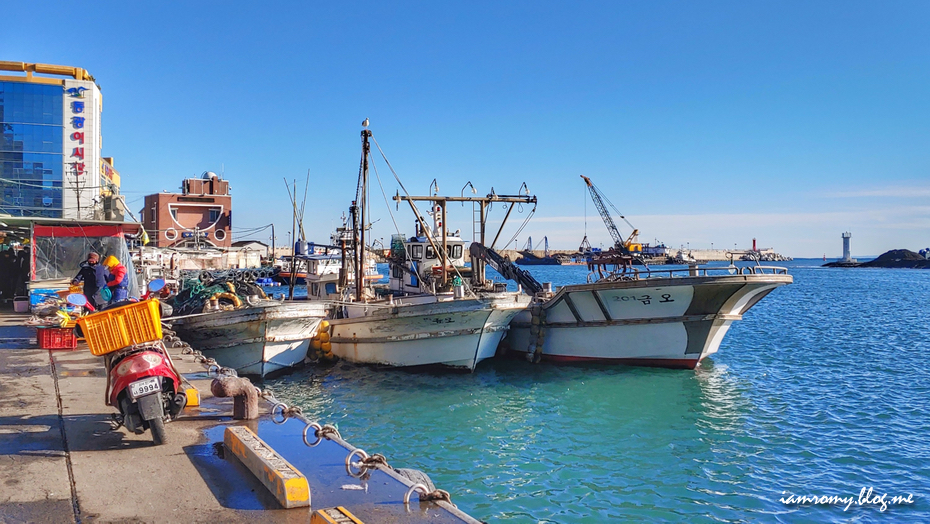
point(303, 206)
point(293, 199)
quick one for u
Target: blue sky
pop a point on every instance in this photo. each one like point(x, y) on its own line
point(703, 122)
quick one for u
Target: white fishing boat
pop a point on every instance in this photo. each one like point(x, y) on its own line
point(266, 338)
point(425, 330)
point(668, 318)
point(429, 316)
point(413, 328)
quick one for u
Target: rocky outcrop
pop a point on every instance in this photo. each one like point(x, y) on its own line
point(896, 258)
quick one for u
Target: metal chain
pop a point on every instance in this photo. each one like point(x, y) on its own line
point(328, 431)
point(375, 460)
point(268, 395)
point(428, 496)
point(438, 494)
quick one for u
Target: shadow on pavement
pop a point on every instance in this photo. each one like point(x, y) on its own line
point(41, 435)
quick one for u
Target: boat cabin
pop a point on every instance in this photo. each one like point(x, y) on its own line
point(323, 275)
point(418, 265)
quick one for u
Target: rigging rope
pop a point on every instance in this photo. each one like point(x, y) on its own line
point(520, 230)
point(415, 210)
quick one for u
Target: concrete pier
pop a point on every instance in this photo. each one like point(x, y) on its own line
point(61, 461)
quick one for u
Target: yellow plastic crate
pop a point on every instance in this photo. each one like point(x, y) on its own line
point(124, 326)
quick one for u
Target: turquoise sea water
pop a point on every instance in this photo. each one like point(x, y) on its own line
point(822, 390)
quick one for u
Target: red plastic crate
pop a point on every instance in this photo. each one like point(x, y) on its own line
point(56, 338)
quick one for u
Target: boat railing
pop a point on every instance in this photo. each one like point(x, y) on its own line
point(691, 271)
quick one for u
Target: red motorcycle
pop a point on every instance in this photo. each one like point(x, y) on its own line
point(146, 388)
point(142, 381)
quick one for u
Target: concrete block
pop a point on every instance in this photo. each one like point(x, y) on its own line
point(284, 481)
point(337, 515)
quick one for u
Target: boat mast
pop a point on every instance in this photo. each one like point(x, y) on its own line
point(442, 230)
point(362, 204)
point(293, 280)
point(479, 267)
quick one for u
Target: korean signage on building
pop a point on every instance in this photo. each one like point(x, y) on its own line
point(81, 151)
point(75, 102)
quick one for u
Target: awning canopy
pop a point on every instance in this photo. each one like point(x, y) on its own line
point(57, 247)
point(9, 222)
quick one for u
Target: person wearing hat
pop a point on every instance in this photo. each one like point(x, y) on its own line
point(117, 282)
point(94, 277)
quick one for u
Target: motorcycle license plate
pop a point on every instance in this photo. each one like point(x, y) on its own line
point(145, 386)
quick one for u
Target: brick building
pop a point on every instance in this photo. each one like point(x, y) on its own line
point(198, 217)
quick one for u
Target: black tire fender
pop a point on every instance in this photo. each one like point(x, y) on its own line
point(151, 407)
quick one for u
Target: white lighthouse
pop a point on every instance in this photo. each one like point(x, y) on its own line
point(846, 256)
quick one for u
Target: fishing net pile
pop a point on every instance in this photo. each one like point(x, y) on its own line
point(232, 289)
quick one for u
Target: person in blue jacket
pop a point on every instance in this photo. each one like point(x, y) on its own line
point(94, 276)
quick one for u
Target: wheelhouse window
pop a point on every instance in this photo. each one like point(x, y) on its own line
point(457, 251)
point(429, 252)
point(416, 252)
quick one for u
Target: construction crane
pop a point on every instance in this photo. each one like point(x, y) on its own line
point(628, 245)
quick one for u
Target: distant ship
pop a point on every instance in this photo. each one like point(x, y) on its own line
point(529, 258)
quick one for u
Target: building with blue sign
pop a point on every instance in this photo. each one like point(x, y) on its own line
point(50, 145)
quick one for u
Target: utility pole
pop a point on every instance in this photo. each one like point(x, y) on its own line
point(77, 190)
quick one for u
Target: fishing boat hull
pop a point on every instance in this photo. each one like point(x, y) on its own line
point(284, 278)
point(664, 322)
point(260, 340)
point(453, 333)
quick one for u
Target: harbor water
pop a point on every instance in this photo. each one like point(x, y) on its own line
point(822, 390)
